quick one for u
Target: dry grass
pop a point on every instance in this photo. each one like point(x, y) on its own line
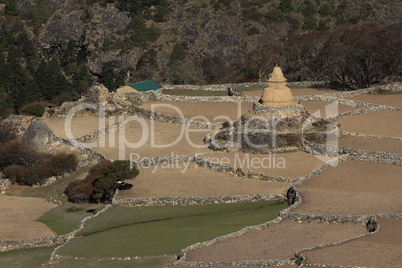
point(151, 139)
point(382, 123)
point(291, 165)
point(394, 100)
point(209, 110)
point(18, 217)
point(324, 108)
point(278, 241)
point(382, 249)
point(179, 180)
point(353, 187)
point(375, 144)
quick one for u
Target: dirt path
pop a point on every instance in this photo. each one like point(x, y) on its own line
point(279, 241)
point(382, 249)
point(18, 217)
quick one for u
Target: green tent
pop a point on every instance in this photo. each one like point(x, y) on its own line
point(146, 86)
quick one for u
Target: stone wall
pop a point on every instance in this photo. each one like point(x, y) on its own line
point(48, 241)
point(223, 87)
point(194, 200)
point(173, 119)
point(152, 96)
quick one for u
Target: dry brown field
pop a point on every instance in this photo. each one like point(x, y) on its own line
point(80, 125)
point(353, 188)
point(319, 106)
point(394, 100)
point(208, 110)
point(381, 249)
point(278, 241)
point(146, 138)
point(179, 180)
point(19, 215)
point(288, 165)
point(374, 144)
point(382, 123)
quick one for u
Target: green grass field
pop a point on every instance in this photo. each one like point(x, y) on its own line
point(26, 258)
point(143, 231)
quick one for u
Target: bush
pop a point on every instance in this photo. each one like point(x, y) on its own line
point(79, 191)
point(16, 152)
point(36, 109)
point(274, 15)
point(8, 131)
point(325, 10)
point(23, 165)
point(253, 31)
point(101, 182)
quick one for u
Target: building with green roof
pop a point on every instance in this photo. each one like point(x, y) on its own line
point(148, 85)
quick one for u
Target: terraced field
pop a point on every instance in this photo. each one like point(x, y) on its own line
point(326, 225)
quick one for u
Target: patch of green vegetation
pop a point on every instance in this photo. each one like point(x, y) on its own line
point(54, 190)
point(190, 92)
point(26, 258)
point(62, 222)
point(381, 91)
point(143, 231)
point(253, 31)
point(241, 89)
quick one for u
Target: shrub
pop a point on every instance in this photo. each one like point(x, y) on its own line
point(274, 15)
point(63, 162)
point(101, 182)
point(36, 109)
point(79, 191)
point(325, 10)
point(25, 166)
point(8, 131)
point(286, 6)
point(16, 152)
point(253, 31)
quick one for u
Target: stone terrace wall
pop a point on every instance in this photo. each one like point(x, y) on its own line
point(49, 241)
point(222, 87)
point(173, 119)
point(193, 200)
point(152, 96)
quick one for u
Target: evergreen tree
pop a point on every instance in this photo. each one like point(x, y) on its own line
point(82, 80)
point(50, 80)
point(286, 6)
point(112, 76)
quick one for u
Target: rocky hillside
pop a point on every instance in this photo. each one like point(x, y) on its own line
point(173, 41)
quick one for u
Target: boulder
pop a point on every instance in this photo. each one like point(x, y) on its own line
point(40, 136)
point(97, 93)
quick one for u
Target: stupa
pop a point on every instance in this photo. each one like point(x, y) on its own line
point(276, 121)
